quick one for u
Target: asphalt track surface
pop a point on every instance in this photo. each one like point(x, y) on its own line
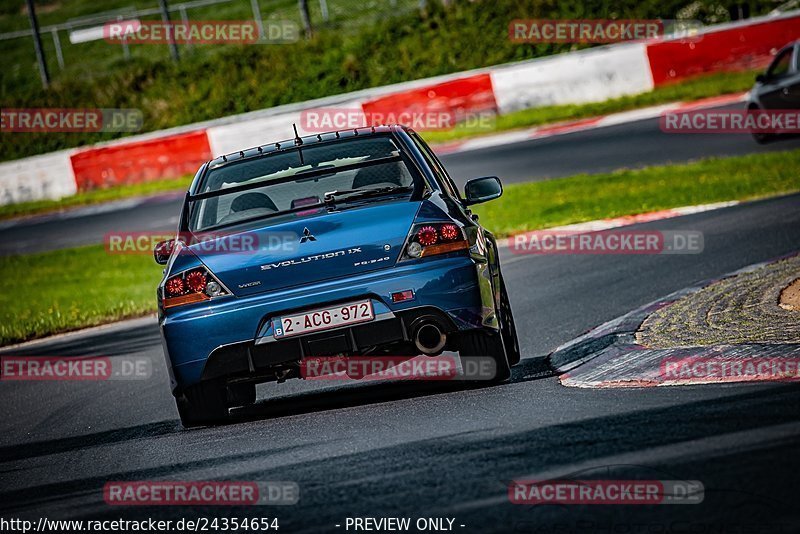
point(632, 145)
point(436, 449)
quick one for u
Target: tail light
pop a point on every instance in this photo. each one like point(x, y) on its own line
point(434, 238)
point(194, 285)
point(196, 281)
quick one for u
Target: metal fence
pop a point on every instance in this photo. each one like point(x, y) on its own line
point(310, 15)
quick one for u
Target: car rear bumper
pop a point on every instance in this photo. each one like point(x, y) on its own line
point(233, 336)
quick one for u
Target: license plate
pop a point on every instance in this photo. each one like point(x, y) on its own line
point(323, 319)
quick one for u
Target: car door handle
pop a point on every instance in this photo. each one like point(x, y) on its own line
point(785, 90)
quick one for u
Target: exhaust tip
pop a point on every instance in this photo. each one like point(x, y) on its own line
point(429, 339)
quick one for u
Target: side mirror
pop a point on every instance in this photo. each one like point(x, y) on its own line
point(483, 189)
point(761, 78)
point(163, 251)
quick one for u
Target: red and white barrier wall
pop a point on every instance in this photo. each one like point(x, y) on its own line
point(590, 75)
point(37, 177)
point(140, 161)
point(726, 47)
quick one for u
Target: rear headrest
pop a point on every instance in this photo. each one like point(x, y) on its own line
point(250, 201)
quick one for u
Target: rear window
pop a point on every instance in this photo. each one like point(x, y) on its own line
point(276, 183)
point(780, 66)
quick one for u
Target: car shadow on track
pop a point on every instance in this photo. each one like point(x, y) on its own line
point(359, 394)
point(77, 443)
point(13, 501)
point(478, 465)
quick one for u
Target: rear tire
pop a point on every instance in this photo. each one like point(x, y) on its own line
point(476, 344)
point(508, 328)
point(760, 137)
point(203, 404)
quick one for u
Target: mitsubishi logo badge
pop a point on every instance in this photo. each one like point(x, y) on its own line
point(307, 236)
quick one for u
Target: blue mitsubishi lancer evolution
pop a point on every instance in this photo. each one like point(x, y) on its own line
point(344, 244)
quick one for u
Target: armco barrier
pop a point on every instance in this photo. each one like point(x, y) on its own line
point(583, 76)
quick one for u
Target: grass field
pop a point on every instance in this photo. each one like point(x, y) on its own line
point(585, 197)
point(73, 288)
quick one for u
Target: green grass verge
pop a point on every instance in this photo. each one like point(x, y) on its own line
point(74, 288)
point(585, 197)
point(694, 89)
point(96, 196)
